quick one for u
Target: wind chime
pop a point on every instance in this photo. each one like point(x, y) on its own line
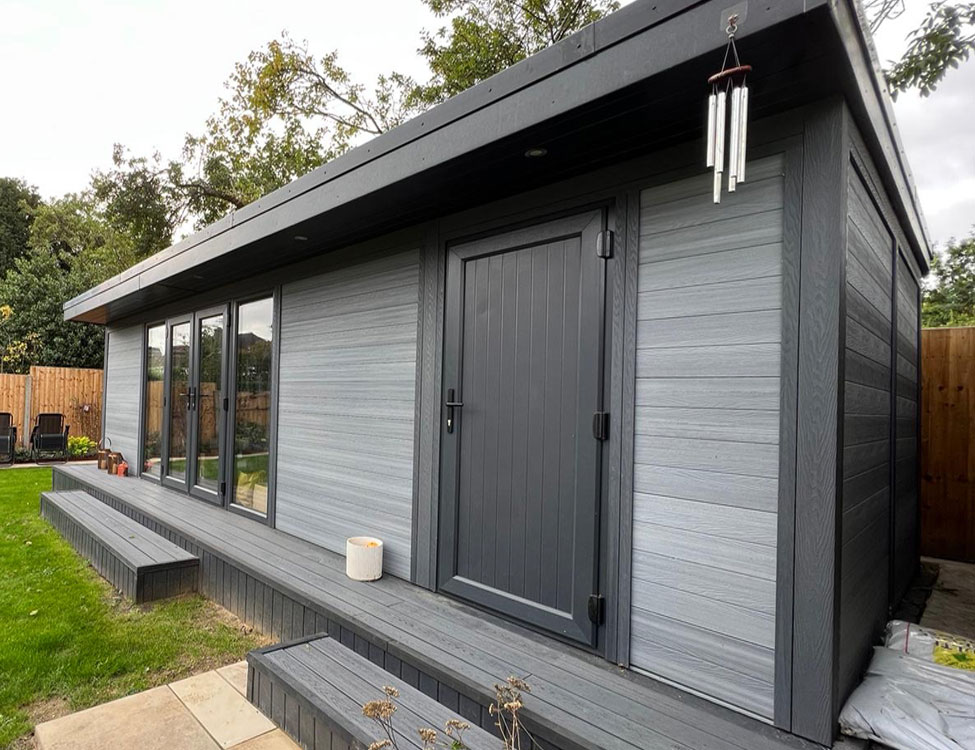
point(728, 84)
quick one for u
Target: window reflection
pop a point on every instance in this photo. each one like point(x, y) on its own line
point(253, 404)
point(155, 374)
point(209, 402)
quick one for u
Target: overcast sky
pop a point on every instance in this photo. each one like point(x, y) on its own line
point(82, 75)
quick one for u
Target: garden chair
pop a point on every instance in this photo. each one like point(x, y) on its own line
point(8, 437)
point(50, 435)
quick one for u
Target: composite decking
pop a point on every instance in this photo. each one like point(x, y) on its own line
point(450, 651)
point(141, 564)
point(315, 689)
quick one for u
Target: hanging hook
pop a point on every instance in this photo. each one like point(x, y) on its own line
point(732, 28)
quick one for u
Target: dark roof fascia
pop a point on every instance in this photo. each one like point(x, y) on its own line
point(876, 104)
point(536, 89)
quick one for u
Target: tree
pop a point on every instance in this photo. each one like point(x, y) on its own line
point(950, 300)
point(487, 36)
point(288, 111)
point(72, 246)
point(16, 201)
point(136, 199)
point(944, 40)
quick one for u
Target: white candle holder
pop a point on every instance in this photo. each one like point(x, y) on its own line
point(363, 558)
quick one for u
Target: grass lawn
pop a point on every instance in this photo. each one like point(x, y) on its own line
point(68, 641)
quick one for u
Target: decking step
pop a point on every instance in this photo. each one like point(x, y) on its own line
point(141, 564)
point(315, 688)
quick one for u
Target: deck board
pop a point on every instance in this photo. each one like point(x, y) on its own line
point(430, 641)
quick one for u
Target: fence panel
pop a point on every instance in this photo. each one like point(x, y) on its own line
point(73, 391)
point(948, 443)
point(13, 389)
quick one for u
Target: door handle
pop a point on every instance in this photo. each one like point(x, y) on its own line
point(451, 404)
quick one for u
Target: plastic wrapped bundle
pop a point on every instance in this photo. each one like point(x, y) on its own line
point(909, 703)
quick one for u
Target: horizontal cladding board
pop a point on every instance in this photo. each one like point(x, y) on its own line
point(730, 328)
point(864, 399)
point(729, 265)
point(685, 544)
point(865, 371)
point(702, 661)
point(730, 361)
point(724, 521)
point(743, 425)
point(868, 316)
point(763, 228)
point(750, 459)
point(347, 405)
point(692, 211)
point(860, 458)
point(706, 446)
point(728, 393)
point(872, 260)
point(123, 390)
point(757, 493)
point(695, 609)
point(701, 185)
point(864, 214)
point(866, 342)
point(857, 518)
point(752, 295)
point(873, 291)
point(699, 578)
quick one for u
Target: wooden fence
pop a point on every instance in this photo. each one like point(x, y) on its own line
point(73, 391)
point(948, 443)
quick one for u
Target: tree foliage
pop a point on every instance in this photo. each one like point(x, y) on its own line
point(73, 244)
point(486, 36)
point(950, 298)
point(17, 199)
point(944, 40)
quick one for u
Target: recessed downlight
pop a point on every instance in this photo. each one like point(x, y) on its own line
point(536, 152)
point(300, 238)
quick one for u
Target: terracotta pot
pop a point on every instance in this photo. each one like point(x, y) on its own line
point(123, 469)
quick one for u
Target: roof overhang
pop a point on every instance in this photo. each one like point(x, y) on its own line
point(628, 84)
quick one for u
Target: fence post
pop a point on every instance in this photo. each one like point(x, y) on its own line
point(25, 435)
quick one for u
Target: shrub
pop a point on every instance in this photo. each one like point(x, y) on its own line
point(80, 446)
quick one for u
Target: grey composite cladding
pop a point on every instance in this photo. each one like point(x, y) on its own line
point(346, 406)
point(865, 546)
point(705, 485)
point(123, 391)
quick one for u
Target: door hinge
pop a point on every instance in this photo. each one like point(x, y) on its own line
point(597, 609)
point(226, 404)
point(600, 425)
point(604, 244)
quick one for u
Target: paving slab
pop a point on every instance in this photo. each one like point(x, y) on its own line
point(236, 675)
point(151, 720)
point(221, 709)
point(276, 740)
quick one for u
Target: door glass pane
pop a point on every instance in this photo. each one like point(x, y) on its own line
point(179, 382)
point(155, 371)
point(253, 402)
point(209, 399)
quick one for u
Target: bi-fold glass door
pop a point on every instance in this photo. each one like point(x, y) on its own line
point(194, 414)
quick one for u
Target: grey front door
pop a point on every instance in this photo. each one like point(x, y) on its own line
point(520, 463)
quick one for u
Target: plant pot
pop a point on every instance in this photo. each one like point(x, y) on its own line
point(363, 558)
point(111, 464)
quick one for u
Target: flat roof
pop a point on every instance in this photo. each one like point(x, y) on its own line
point(470, 148)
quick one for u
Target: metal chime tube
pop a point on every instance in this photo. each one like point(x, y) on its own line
point(742, 130)
point(712, 116)
point(719, 121)
point(733, 140)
